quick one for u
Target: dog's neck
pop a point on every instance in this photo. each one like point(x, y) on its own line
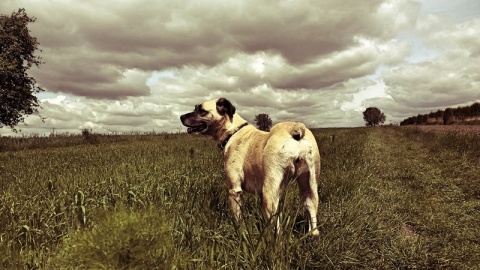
point(225, 141)
point(234, 126)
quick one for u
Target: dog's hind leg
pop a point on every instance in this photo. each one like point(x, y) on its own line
point(272, 191)
point(270, 201)
point(307, 184)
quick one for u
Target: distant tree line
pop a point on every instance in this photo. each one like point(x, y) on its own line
point(464, 114)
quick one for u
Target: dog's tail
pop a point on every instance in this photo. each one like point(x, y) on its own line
point(298, 131)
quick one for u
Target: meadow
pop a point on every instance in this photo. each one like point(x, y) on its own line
point(390, 198)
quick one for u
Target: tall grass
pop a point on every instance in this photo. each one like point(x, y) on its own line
point(160, 201)
point(461, 140)
point(56, 140)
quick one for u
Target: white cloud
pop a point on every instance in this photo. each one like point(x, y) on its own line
point(372, 90)
point(449, 79)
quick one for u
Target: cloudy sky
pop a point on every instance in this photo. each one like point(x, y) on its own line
point(123, 66)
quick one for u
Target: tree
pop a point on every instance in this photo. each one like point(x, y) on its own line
point(17, 88)
point(475, 109)
point(373, 116)
point(448, 116)
point(263, 121)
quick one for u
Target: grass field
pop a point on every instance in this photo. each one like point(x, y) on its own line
point(390, 198)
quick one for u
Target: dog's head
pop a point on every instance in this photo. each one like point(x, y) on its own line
point(209, 117)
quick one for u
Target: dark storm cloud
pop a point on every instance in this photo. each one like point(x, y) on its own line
point(118, 66)
point(87, 47)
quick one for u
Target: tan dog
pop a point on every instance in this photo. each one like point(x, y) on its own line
point(261, 162)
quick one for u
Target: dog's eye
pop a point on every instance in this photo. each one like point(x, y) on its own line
point(199, 109)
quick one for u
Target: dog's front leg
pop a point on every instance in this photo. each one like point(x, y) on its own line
point(235, 201)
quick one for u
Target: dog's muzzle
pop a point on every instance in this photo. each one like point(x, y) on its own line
point(192, 127)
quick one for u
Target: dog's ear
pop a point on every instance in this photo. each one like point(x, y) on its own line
point(224, 106)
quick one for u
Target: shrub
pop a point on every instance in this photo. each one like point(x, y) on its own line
point(89, 137)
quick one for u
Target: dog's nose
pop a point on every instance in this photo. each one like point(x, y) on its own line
point(182, 117)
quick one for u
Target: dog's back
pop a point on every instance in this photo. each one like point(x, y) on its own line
point(297, 146)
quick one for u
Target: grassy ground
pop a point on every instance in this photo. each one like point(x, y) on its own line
point(396, 198)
